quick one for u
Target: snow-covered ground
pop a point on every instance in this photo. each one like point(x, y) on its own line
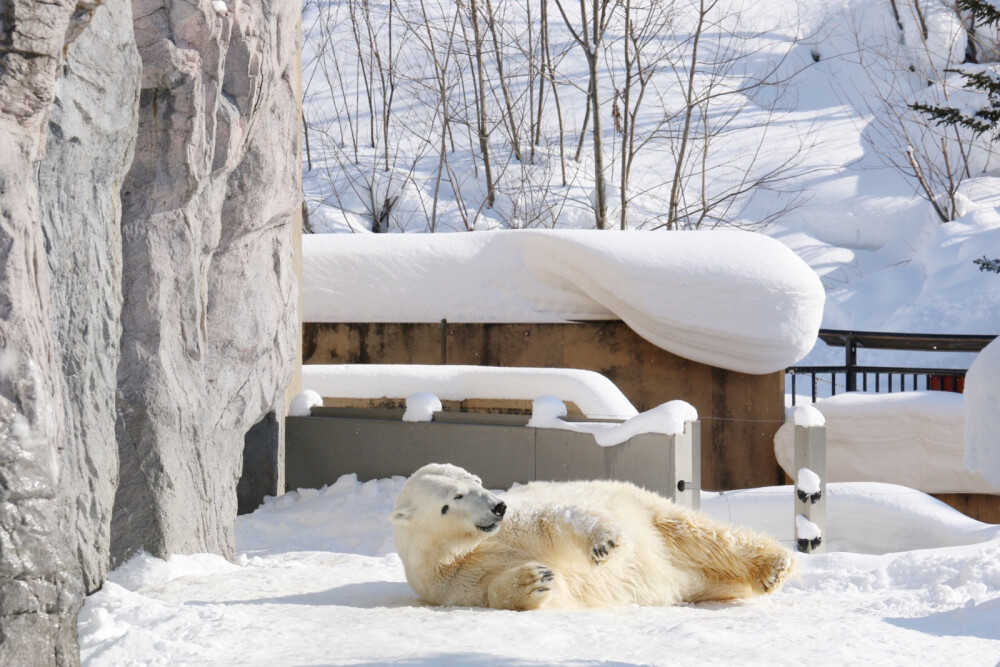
point(317, 582)
point(906, 580)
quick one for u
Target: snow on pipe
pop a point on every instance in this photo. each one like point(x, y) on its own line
point(595, 395)
point(548, 411)
point(669, 419)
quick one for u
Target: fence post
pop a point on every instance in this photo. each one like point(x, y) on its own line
point(686, 449)
point(810, 488)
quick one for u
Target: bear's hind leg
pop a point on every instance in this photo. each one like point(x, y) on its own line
point(527, 586)
point(730, 562)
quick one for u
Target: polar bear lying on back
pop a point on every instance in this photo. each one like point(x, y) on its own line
point(570, 545)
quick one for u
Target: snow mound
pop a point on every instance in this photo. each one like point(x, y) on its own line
point(303, 403)
point(982, 416)
point(861, 517)
point(728, 298)
point(594, 394)
point(420, 407)
point(910, 438)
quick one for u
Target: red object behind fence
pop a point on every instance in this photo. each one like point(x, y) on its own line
point(946, 383)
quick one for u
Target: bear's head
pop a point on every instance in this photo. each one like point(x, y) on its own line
point(442, 506)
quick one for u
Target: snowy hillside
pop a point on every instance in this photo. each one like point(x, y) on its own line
point(791, 120)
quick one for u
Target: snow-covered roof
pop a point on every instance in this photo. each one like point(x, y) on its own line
point(727, 298)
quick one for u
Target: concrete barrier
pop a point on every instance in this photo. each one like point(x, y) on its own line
point(501, 449)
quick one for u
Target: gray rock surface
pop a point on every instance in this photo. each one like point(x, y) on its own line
point(91, 133)
point(148, 179)
point(208, 313)
point(40, 581)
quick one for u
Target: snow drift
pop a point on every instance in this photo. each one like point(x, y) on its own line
point(982, 414)
point(727, 298)
point(909, 438)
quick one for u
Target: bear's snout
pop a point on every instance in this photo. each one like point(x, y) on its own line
point(500, 509)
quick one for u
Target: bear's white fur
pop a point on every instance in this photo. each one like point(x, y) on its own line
point(570, 545)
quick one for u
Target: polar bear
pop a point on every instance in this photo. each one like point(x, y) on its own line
point(570, 545)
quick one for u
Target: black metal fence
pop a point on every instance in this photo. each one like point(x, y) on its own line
point(830, 380)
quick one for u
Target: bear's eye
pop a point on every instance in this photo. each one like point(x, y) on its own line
point(444, 510)
point(459, 496)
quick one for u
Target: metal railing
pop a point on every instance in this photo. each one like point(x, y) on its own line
point(885, 378)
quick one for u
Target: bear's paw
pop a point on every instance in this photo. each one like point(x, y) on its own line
point(780, 568)
point(602, 550)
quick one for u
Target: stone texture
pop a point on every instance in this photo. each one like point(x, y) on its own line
point(91, 133)
point(40, 581)
point(208, 313)
point(143, 336)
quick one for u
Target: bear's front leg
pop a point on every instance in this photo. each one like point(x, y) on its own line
point(527, 586)
point(598, 534)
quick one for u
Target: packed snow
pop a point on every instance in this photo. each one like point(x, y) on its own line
point(317, 582)
point(913, 438)
point(595, 395)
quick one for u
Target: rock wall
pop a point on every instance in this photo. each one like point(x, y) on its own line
point(148, 178)
point(91, 134)
point(208, 318)
point(40, 581)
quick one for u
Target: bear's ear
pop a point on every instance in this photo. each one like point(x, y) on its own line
point(401, 514)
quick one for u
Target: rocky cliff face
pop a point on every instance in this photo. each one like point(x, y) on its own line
point(90, 138)
point(157, 326)
point(40, 581)
point(208, 303)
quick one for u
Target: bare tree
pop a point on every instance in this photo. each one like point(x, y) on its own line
point(589, 34)
point(936, 158)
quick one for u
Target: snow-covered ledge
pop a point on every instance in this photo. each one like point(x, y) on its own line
point(735, 300)
point(595, 395)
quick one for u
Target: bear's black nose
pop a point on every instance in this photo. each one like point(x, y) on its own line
point(500, 509)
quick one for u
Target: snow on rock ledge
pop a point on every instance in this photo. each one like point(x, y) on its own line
point(728, 298)
point(594, 394)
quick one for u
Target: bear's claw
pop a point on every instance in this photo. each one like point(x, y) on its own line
point(542, 576)
point(601, 552)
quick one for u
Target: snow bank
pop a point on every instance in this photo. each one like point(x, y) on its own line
point(728, 298)
point(982, 413)
point(908, 438)
point(594, 394)
point(861, 517)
